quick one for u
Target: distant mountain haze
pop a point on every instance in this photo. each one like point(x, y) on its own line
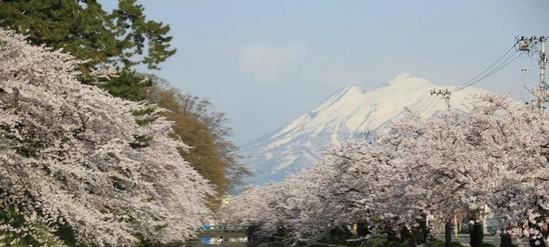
point(346, 115)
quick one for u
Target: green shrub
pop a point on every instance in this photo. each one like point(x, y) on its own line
point(376, 242)
point(397, 244)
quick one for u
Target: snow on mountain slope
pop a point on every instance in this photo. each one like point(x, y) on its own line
point(345, 115)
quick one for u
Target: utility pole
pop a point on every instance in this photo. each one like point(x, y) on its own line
point(445, 94)
point(537, 44)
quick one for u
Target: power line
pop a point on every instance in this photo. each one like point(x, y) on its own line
point(490, 66)
point(493, 68)
point(507, 61)
point(422, 104)
point(426, 103)
point(433, 102)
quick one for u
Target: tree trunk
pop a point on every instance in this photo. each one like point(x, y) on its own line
point(476, 235)
point(448, 228)
point(506, 240)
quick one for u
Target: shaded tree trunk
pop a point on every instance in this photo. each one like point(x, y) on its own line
point(362, 229)
point(448, 228)
point(251, 235)
point(506, 240)
point(476, 235)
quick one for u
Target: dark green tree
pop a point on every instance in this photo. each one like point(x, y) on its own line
point(120, 39)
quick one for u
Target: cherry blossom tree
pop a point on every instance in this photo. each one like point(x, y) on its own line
point(73, 156)
point(434, 175)
point(291, 206)
point(358, 183)
point(489, 156)
point(511, 138)
point(311, 203)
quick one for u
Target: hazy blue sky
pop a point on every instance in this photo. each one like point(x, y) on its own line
point(264, 63)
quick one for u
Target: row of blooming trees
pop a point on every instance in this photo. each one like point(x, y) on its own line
point(78, 162)
point(491, 156)
point(112, 42)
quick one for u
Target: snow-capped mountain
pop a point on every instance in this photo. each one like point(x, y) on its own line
point(347, 114)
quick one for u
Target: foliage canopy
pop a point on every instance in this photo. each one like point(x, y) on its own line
point(73, 155)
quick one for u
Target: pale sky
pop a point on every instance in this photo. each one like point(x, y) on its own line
point(264, 63)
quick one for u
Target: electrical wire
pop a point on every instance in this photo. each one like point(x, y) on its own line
point(422, 104)
point(433, 103)
point(490, 66)
point(502, 65)
point(494, 67)
point(427, 103)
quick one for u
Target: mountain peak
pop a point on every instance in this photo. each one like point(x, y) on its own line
point(407, 81)
point(402, 76)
